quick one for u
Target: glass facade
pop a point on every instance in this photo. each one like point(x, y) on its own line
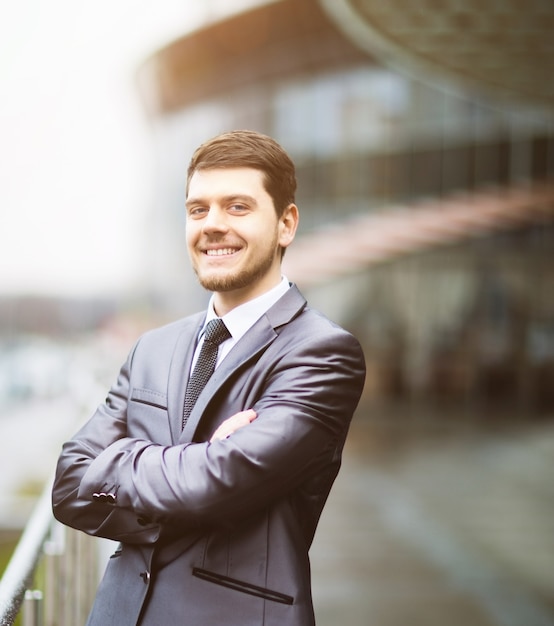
point(442, 324)
point(365, 137)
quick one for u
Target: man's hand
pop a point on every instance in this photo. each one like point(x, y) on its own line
point(236, 421)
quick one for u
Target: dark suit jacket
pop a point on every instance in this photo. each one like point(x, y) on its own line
point(214, 533)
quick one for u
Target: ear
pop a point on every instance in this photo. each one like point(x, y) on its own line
point(288, 223)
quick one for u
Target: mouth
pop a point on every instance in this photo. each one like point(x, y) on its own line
point(220, 252)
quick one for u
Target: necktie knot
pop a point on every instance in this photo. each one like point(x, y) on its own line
point(216, 332)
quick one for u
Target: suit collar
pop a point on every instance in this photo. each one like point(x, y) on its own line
point(286, 308)
point(240, 319)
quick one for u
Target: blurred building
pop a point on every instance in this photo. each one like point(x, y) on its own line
point(423, 138)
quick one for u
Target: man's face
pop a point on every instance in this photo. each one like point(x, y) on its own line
point(233, 233)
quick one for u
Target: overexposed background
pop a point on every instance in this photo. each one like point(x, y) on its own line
point(76, 165)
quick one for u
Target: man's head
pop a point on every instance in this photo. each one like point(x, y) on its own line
point(241, 215)
point(246, 148)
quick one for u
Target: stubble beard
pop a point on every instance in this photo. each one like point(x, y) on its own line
point(231, 281)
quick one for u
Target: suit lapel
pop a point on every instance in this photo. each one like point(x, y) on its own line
point(179, 373)
point(255, 340)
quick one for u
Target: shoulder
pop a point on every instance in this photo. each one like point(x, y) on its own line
point(294, 320)
point(314, 326)
point(311, 346)
point(176, 327)
point(167, 335)
point(310, 336)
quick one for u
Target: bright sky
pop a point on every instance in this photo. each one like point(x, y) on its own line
point(76, 175)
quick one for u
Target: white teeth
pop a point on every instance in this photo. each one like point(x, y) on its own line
point(220, 252)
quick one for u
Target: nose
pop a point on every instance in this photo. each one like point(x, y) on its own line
point(215, 221)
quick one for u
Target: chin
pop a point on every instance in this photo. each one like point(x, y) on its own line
point(218, 283)
point(232, 281)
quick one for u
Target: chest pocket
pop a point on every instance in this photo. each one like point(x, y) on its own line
point(147, 416)
point(149, 397)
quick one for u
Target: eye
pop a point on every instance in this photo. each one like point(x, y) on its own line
point(196, 212)
point(238, 209)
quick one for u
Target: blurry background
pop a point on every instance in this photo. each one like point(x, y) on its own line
point(423, 138)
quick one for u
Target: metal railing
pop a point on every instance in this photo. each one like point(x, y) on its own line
point(52, 576)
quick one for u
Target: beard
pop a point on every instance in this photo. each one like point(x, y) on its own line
point(241, 278)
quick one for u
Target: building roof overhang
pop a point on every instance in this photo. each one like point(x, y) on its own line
point(280, 39)
point(504, 49)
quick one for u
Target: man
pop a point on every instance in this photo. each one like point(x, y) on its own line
point(215, 500)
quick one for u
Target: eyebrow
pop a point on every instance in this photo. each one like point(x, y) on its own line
point(225, 199)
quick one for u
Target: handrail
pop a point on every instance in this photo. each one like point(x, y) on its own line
point(19, 572)
point(67, 561)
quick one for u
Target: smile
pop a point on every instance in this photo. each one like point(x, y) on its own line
point(221, 251)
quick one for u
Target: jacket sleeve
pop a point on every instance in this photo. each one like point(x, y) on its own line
point(107, 425)
point(304, 411)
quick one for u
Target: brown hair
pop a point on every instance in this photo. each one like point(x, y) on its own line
point(246, 148)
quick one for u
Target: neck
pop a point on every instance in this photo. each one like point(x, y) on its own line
point(226, 301)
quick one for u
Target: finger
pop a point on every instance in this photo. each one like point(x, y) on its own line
point(233, 423)
point(227, 428)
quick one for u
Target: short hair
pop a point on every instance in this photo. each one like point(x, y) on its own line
point(246, 148)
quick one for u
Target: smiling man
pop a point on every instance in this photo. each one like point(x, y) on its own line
point(235, 235)
point(213, 455)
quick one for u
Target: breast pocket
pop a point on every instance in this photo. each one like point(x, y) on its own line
point(147, 416)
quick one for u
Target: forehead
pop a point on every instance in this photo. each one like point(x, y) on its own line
point(226, 181)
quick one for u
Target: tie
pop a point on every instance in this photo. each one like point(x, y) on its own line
point(216, 332)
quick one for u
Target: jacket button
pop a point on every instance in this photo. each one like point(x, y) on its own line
point(145, 577)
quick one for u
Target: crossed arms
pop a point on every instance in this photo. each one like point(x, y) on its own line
point(254, 457)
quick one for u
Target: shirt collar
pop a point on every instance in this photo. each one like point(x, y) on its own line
point(243, 317)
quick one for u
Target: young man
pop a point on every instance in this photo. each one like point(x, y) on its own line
point(215, 499)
